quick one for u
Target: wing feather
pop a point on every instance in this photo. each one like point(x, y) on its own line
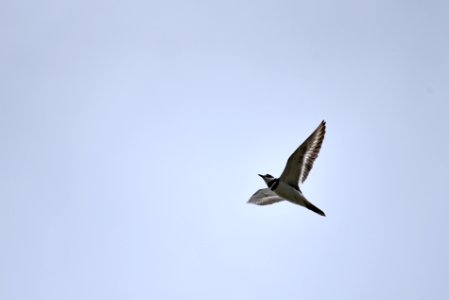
point(301, 161)
point(264, 197)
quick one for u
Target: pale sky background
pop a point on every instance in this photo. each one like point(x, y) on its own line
point(132, 133)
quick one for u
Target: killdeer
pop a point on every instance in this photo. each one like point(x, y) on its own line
point(299, 164)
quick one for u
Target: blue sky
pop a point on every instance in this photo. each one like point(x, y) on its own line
point(132, 134)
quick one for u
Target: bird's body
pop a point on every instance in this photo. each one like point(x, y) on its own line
point(299, 164)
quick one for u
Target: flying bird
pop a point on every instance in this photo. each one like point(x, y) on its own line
point(299, 164)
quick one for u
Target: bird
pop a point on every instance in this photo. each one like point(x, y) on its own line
point(298, 166)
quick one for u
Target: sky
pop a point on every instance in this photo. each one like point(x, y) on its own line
point(132, 133)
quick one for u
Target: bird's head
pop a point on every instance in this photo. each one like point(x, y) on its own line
point(267, 178)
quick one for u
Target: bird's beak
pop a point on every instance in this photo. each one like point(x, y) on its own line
point(260, 175)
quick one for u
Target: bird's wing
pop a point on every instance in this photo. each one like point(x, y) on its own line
point(301, 161)
point(264, 197)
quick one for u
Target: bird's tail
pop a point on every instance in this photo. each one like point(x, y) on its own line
point(301, 200)
point(313, 208)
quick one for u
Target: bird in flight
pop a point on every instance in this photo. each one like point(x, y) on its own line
point(299, 164)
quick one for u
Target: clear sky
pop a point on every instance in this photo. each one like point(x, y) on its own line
point(132, 133)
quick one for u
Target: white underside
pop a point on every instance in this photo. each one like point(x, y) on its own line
point(283, 192)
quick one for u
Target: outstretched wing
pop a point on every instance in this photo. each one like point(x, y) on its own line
point(301, 161)
point(264, 197)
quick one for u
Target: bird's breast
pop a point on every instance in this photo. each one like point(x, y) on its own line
point(286, 191)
